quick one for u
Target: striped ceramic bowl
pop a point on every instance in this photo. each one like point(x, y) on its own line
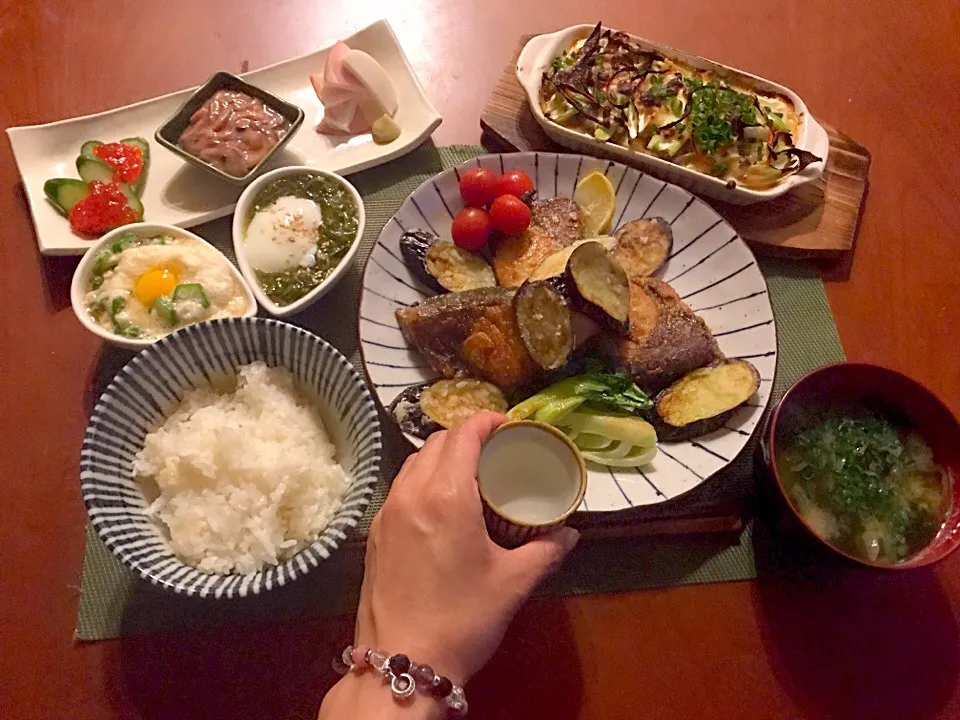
point(150, 387)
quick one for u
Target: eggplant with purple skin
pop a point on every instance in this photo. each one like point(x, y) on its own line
point(703, 400)
point(421, 410)
point(545, 322)
point(591, 280)
point(600, 287)
point(643, 246)
point(442, 266)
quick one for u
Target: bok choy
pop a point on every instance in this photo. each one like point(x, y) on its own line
point(600, 412)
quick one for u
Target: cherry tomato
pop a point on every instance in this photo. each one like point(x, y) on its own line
point(471, 228)
point(514, 182)
point(510, 215)
point(478, 187)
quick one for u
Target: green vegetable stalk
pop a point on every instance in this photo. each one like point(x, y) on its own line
point(602, 392)
point(598, 411)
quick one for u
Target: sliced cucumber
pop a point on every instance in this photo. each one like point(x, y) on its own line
point(145, 149)
point(94, 169)
point(132, 199)
point(88, 147)
point(64, 193)
point(140, 143)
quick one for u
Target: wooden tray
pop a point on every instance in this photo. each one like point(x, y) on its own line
point(819, 219)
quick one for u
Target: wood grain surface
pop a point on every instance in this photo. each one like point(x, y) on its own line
point(848, 645)
point(816, 220)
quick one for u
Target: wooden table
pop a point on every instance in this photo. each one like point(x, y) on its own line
point(863, 645)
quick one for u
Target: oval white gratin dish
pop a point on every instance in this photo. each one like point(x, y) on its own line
point(540, 51)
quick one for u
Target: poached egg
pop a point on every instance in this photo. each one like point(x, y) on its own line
point(284, 235)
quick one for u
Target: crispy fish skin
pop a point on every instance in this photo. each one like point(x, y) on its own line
point(554, 224)
point(438, 326)
point(666, 339)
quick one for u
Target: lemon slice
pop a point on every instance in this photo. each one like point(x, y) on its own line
point(597, 200)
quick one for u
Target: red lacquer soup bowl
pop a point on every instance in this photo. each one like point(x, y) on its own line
point(892, 395)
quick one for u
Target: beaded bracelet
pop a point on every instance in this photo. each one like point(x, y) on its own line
point(404, 676)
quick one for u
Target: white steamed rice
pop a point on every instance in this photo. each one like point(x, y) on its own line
point(246, 478)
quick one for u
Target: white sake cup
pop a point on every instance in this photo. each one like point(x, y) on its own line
point(532, 478)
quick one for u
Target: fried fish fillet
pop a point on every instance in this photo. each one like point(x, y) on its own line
point(554, 224)
point(666, 339)
point(469, 334)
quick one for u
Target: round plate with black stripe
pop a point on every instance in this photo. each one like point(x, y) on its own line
point(710, 267)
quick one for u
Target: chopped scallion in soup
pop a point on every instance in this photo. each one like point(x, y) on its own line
point(866, 486)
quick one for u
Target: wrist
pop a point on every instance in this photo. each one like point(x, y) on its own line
point(425, 652)
point(365, 694)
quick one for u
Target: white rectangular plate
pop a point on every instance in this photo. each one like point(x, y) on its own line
point(179, 194)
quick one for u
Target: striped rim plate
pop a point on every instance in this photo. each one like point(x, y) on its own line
point(710, 267)
point(152, 384)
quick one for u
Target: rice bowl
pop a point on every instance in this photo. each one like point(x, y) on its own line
point(245, 477)
point(148, 391)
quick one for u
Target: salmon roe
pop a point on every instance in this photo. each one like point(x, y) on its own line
point(105, 208)
point(126, 160)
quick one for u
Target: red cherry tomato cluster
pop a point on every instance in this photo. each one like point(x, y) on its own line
point(492, 203)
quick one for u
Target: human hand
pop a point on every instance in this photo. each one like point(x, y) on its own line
point(435, 587)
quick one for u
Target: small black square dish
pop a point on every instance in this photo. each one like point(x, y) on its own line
point(230, 128)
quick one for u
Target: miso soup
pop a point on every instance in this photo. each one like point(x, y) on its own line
point(866, 486)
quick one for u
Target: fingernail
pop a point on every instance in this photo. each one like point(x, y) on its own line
point(570, 538)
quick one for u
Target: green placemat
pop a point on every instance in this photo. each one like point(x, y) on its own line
point(114, 602)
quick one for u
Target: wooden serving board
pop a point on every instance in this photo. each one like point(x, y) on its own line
point(819, 219)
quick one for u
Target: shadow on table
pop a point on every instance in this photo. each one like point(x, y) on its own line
point(55, 271)
point(262, 657)
point(632, 563)
point(281, 670)
point(538, 646)
point(278, 672)
point(110, 361)
point(849, 642)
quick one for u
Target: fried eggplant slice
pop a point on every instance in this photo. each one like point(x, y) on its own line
point(451, 402)
point(424, 409)
point(702, 400)
point(554, 224)
point(456, 269)
point(438, 326)
point(666, 340)
point(602, 289)
point(441, 265)
point(414, 245)
point(545, 323)
point(643, 246)
point(409, 415)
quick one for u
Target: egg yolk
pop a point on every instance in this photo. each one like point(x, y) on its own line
point(158, 282)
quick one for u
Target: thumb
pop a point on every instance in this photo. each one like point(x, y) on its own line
point(532, 562)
